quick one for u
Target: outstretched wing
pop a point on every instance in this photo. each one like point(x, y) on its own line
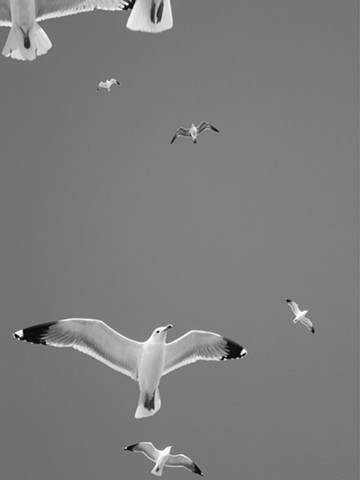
point(5, 13)
point(181, 131)
point(308, 324)
point(206, 126)
point(199, 345)
point(147, 448)
point(183, 461)
point(46, 9)
point(92, 337)
point(294, 306)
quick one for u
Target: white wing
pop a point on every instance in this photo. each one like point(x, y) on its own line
point(183, 461)
point(294, 307)
point(92, 337)
point(198, 345)
point(60, 8)
point(5, 13)
point(147, 448)
point(308, 324)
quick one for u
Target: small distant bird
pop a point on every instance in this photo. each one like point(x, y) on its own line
point(145, 362)
point(163, 458)
point(193, 131)
point(300, 315)
point(27, 40)
point(107, 84)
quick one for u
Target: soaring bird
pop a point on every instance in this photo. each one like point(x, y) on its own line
point(145, 362)
point(300, 315)
point(108, 84)
point(163, 458)
point(27, 40)
point(193, 131)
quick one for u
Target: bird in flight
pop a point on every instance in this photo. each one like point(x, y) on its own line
point(193, 131)
point(163, 458)
point(300, 315)
point(145, 362)
point(27, 40)
point(108, 84)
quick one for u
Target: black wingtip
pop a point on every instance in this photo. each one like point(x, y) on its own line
point(197, 470)
point(288, 300)
point(130, 448)
point(233, 350)
point(34, 334)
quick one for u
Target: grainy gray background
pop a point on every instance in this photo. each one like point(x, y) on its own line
point(101, 217)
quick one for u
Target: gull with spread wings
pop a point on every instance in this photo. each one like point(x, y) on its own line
point(193, 131)
point(300, 315)
point(108, 84)
point(145, 362)
point(27, 40)
point(163, 458)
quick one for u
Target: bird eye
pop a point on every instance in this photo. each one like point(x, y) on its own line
point(157, 331)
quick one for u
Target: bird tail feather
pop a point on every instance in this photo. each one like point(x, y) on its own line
point(15, 48)
point(148, 404)
point(157, 471)
point(151, 16)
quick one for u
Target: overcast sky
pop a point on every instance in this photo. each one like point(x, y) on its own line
point(102, 218)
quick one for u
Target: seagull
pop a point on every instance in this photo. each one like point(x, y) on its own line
point(163, 458)
point(193, 131)
point(107, 84)
point(150, 16)
point(27, 40)
point(300, 315)
point(145, 362)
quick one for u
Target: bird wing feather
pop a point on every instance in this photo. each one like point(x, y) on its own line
point(59, 8)
point(148, 449)
point(92, 337)
point(199, 345)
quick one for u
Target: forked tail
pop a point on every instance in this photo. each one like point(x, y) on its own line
point(148, 404)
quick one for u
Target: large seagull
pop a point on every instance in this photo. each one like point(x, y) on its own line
point(163, 458)
point(27, 40)
point(145, 362)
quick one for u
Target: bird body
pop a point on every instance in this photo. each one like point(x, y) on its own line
point(107, 84)
point(27, 40)
point(193, 131)
point(163, 458)
point(300, 316)
point(145, 362)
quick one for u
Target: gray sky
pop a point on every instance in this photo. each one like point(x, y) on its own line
point(103, 218)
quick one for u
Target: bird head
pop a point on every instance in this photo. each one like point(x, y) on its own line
point(159, 334)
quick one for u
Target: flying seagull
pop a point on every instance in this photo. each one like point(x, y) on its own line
point(193, 131)
point(300, 315)
point(27, 40)
point(145, 362)
point(107, 84)
point(163, 458)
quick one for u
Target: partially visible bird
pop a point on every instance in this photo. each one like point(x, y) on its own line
point(150, 16)
point(108, 84)
point(163, 458)
point(300, 315)
point(145, 362)
point(27, 40)
point(193, 131)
